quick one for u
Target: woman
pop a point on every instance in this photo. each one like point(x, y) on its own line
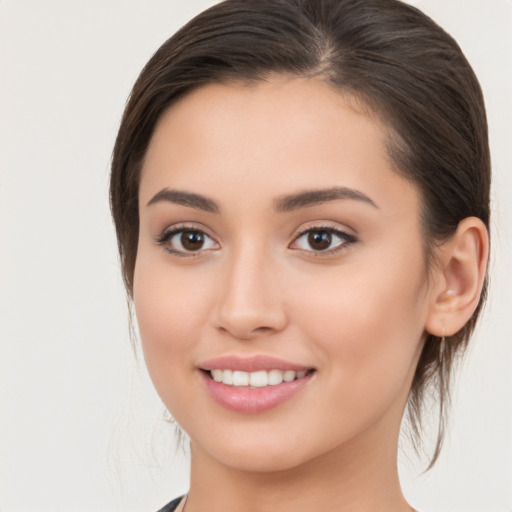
point(301, 196)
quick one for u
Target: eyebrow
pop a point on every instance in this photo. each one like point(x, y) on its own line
point(316, 197)
point(188, 199)
point(283, 204)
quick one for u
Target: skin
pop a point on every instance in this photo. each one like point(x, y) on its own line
point(357, 315)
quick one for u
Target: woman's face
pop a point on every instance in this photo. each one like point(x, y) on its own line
point(276, 242)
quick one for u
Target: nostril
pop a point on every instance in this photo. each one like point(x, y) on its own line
point(249, 334)
point(263, 329)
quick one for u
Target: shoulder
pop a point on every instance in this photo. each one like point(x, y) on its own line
point(172, 505)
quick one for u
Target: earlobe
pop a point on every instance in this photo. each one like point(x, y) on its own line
point(462, 265)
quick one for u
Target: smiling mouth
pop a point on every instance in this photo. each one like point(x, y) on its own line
point(256, 379)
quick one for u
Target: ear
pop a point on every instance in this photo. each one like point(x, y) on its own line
point(459, 277)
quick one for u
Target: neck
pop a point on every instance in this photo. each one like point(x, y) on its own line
point(360, 476)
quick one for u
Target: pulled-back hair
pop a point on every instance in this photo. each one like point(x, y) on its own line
point(388, 55)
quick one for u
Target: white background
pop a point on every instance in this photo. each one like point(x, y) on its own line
point(81, 427)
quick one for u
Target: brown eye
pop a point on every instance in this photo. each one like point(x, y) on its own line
point(186, 242)
point(324, 240)
point(319, 240)
point(192, 240)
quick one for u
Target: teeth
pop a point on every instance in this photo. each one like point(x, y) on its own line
point(227, 377)
point(275, 377)
point(257, 379)
point(289, 375)
point(239, 378)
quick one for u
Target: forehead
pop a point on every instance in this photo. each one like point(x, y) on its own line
point(282, 107)
point(259, 137)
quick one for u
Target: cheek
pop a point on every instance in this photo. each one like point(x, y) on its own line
point(367, 321)
point(170, 307)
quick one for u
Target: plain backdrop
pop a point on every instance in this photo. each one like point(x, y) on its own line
point(81, 426)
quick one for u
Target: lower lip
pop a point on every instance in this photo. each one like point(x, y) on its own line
point(253, 400)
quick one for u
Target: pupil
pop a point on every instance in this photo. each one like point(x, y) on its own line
point(319, 240)
point(192, 240)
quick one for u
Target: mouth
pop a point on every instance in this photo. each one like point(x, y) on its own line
point(253, 385)
point(256, 379)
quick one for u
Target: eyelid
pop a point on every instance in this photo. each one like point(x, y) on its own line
point(348, 238)
point(170, 231)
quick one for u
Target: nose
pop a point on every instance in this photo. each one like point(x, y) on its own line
point(250, 303)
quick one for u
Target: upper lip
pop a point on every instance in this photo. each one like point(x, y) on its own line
point(250, 364)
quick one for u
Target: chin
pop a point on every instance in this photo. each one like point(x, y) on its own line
point(259, 460)
point(264, 453)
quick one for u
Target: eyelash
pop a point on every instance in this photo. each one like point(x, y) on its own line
point(346, 240)
point(164, 240)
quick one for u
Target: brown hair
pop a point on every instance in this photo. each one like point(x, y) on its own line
point(391, 56)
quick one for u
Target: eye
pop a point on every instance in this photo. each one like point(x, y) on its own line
point(186, 241)
point(323, 240)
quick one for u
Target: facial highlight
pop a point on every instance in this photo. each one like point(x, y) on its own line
point(280, 284)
